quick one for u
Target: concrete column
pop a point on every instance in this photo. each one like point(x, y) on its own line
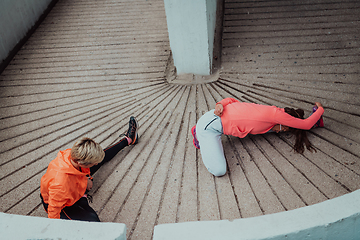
point(338, 218)
point(191, 26)
point(25, 227)
point(17, 18)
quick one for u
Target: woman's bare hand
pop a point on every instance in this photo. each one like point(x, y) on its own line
point(89, 184)
point(318, 104)
point(219, 108)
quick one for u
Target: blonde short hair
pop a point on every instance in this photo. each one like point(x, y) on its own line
point(86, 151)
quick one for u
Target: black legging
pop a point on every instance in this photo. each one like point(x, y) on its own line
point(110, 152)
point(81, 210)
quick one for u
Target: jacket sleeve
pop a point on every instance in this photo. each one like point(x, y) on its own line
point(56, 201)
point(290, 121)
point(54, 212)
point(227, 101)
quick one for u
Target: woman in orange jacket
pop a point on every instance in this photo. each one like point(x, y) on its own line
point(68, 177)
point(239, 119)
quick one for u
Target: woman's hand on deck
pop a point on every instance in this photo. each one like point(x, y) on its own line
point(89, 184)
point(318, 104)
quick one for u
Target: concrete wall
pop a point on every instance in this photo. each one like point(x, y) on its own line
point(334, 219)
point(191, 26)
point(25, 227)
point(211, 21)
point(16, 19)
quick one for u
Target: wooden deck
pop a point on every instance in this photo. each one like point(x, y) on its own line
point(92, 64)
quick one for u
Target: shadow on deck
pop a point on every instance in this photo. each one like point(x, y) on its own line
point(92, 64)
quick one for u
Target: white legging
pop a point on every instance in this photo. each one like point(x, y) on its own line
point(208, 132)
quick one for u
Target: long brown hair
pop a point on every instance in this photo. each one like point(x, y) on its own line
point(301, 138)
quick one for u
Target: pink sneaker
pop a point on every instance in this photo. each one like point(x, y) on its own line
point(195, 141)
point(319, 123)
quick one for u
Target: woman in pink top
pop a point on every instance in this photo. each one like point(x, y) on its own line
point(239, 119)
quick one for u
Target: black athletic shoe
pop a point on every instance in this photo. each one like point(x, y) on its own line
point(132, 131)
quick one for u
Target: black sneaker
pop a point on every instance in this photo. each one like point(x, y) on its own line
point(132, 131)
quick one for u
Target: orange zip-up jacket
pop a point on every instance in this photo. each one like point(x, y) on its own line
point(241, 118)
point(62, 184)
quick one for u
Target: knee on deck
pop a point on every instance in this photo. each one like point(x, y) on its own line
point(218, 172)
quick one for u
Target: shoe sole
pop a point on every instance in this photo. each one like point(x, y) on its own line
point(193, 129)
point(136, 131)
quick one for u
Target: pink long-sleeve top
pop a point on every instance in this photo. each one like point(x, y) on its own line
point(241, 118)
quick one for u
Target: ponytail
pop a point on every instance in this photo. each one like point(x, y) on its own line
point(301, 138)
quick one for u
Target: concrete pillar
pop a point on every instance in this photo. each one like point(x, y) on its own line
point(25, 227)
point(338, 218)
point(191, 26)
point(17, 18)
